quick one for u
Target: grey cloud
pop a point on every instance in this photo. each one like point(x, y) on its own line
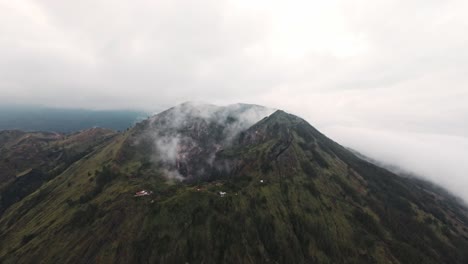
point(391, 65)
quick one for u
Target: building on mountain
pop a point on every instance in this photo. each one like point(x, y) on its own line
point(142, 193)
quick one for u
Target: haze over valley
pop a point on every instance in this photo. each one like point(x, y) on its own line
point(233, 131)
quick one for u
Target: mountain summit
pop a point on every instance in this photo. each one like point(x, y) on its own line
point(200, 183)
point(185, 140)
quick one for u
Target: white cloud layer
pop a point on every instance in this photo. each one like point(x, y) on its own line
point(388, 78)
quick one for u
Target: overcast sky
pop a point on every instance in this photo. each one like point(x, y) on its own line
point(388, 78)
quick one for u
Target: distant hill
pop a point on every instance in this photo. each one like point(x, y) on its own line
point(207, 184)
point(36, 118)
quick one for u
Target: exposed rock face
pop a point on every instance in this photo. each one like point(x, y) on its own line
point(187, 139)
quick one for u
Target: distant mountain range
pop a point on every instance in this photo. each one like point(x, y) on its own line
point(36, 118)
point(200, 183)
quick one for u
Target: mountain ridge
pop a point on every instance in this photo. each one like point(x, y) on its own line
point(278, 191)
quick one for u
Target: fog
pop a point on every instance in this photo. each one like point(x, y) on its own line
point(388, 78)
point(190, 134)
point(438, 158)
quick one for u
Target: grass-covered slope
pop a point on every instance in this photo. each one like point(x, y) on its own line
point(291, 196)
point(29, 159)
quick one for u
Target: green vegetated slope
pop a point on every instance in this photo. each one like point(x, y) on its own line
point(29, 159)
point(292, 196)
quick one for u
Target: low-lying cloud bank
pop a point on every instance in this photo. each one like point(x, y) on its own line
point(439, 158)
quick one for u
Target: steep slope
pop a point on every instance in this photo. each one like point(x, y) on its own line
point(185, 139)
point(290, 195)
point(28, 159)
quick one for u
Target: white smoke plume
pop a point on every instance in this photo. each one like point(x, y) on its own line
point(172, 175)
point(177, 132)
point(167, 148)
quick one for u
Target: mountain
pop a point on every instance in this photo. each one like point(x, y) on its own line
point(29, 159)
point(186, 139)
point(236, 184)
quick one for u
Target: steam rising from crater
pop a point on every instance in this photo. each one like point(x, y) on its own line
point(184, 134)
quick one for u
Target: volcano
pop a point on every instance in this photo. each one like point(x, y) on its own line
point(235, 184)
